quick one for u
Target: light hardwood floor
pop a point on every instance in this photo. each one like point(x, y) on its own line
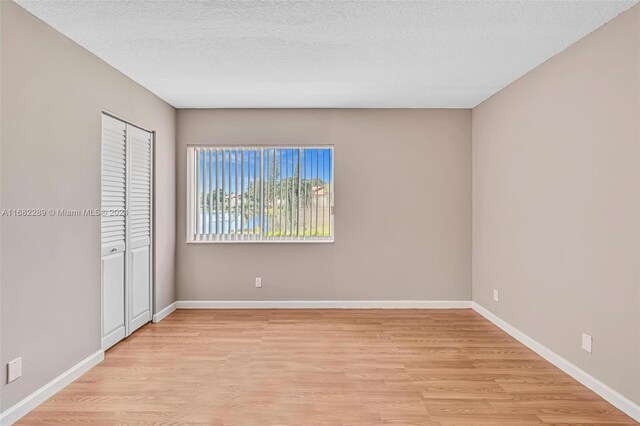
point(324, 367)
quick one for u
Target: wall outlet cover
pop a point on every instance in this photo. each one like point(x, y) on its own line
point(14, 369)
point(495, 295)
point(587, 343)
point(258, 282)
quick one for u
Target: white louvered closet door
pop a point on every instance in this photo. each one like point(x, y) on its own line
point(126, 227)
point(139, 232)
point(113, 227)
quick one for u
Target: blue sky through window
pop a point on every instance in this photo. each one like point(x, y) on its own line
point(316, 162)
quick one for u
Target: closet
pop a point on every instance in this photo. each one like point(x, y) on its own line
point(126, 229)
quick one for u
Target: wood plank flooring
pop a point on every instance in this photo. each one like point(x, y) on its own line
point(324, 367)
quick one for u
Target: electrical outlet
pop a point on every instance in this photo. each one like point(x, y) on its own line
point(495, 295)
point(258, 282)
point(14, 369)
point(587, 342)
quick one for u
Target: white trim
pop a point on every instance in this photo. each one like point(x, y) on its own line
point(164, 313)
point(113, 337)
point(613, 397)
point(323, 304)
point(20, 409)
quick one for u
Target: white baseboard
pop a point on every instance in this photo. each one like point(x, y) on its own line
point(163, 313)
point(323, 304)
point(19, 410)
point(615, 398)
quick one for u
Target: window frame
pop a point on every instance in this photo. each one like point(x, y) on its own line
point(192, 186)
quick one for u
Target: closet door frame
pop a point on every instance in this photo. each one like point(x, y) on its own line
point(127, 219)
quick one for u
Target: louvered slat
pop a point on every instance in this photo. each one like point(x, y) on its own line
point(113, 180)
point(140, 185)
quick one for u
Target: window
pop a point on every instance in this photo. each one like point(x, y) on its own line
point(260, 194)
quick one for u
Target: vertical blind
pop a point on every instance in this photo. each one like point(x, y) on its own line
point(260, 194)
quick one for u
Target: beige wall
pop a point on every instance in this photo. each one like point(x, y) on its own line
point(53, 92)
point(1, 61)
point(556, 203)
point(403, 200)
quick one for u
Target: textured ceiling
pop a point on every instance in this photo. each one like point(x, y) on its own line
point(395, 54)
